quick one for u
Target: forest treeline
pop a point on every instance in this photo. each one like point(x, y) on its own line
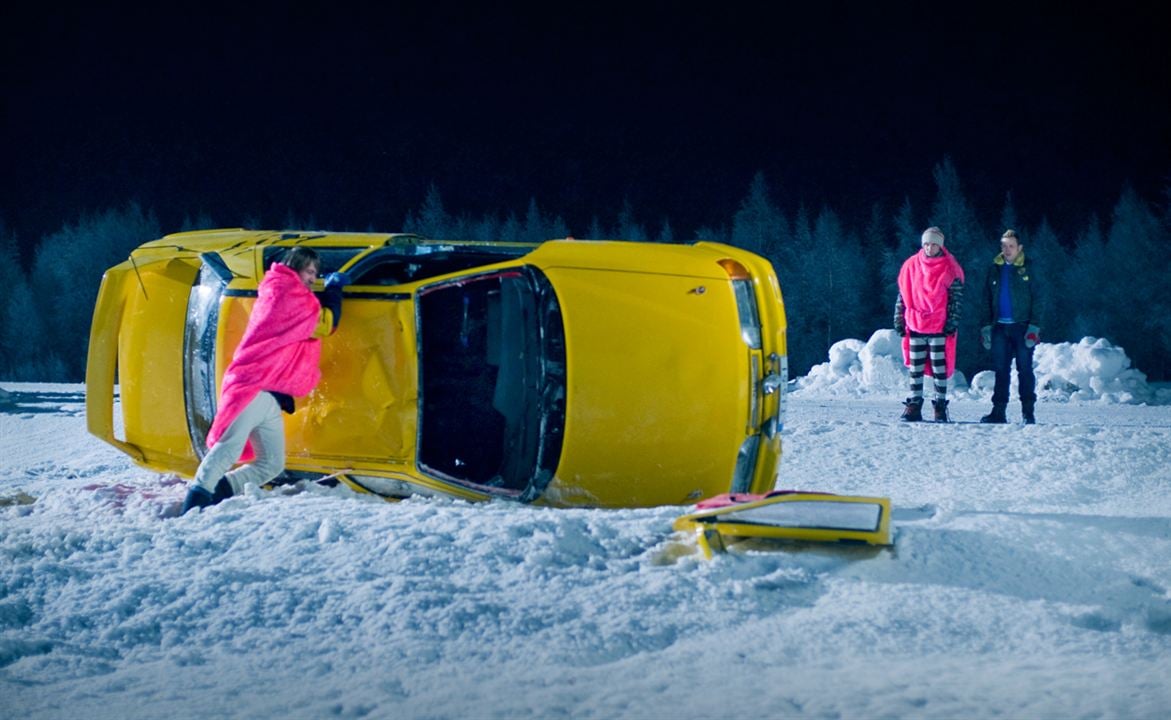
point(1107, 278)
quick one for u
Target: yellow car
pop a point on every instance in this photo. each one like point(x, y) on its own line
point(564, 373)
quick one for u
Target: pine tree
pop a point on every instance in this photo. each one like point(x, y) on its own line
point(510, 230)
point(67, 270)
point(833, 285)
point(486, 229)
point(1088, 275)
point(967, 241)
point(758, 226)
point(558, 228)
point(798, 283)
point(201, 221)
point(1051, 262)
point(432, 220)
point(9, 258)
point(666, 234)
point(712, 234)
point(907, 230)
point(628, 227)
point(1008, 218)
point(1161, 304)
point(23, 334)
point(595, 231)
point(906, 242)
point(534, 229)
point(1136, 288)
point(878, 255)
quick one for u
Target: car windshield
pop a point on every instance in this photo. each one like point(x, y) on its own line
point(492, 381)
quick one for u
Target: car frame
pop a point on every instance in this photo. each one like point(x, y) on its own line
point(600, 373)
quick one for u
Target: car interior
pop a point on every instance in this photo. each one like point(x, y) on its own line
point(475, 374)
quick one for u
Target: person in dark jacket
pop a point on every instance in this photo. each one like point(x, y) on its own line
point(1012, 311)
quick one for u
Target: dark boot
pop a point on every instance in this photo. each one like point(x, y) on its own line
point(1027, 412)
point(912, 410)
point(940, 410)
point(197, 497)
point(996, 416)
point(223, 491)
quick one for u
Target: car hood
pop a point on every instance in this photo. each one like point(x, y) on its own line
point(664, 389)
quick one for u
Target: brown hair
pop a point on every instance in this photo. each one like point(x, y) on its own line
point(301, 257)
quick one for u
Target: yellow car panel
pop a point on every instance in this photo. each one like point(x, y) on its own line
point(364, 407)
point(147, 304)
point(668, 376)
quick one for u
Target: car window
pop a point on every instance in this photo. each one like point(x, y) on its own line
point(492, 376)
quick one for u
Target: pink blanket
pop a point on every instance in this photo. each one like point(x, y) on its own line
point(730, 499)
point(277, 351)
point(923, 283)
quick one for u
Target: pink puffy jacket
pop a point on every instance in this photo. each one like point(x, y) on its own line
point(278, 351)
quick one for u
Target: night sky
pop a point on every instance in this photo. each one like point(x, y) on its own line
point(347, 117)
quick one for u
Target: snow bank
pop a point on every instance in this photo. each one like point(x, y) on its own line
point(1090, 370)
point(1029, 579)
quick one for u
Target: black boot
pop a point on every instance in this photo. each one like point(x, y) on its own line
point(940, 411)
point(1027, 412)
point(912, 410)
point(996, 416)
point(223, 491)
point(197, 497)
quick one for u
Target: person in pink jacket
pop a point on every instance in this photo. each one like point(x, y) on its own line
point(927, 314)
point(277, 360)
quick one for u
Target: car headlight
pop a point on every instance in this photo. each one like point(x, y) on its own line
point(746, 308)
point(745, 293)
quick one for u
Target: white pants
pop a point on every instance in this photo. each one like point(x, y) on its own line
point(261, 422)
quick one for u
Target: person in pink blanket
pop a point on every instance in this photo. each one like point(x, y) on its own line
point(927, 314)
point(277, 360)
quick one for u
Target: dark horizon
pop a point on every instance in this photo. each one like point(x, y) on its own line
point(349, 121)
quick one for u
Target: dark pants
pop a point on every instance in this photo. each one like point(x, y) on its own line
point(1008, 344)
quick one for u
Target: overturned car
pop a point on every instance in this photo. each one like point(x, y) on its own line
point(565, 373)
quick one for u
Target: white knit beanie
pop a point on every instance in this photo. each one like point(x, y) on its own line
point(933, 235)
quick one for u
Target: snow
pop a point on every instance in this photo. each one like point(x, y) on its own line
point(1091, 369)
point(1029, 578)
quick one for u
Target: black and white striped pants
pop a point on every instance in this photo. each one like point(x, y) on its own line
point(921, 348)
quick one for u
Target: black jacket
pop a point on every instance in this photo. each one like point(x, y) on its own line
point(1024, 288)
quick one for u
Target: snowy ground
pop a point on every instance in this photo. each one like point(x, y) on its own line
point(1029, 579)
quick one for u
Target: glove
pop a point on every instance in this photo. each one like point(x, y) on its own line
point(1032, 336)
point(337, 279)
point(949, 328)
point(986, 337)
point(901, 326)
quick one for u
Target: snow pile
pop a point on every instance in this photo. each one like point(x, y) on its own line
point(1090, 370)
